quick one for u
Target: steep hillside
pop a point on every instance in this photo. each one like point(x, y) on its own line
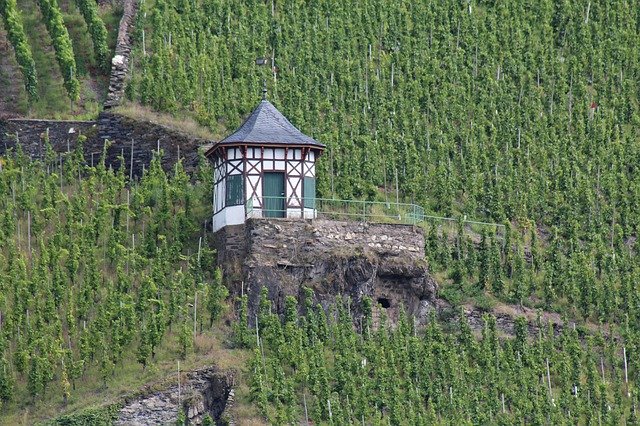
point(512, 112)
point(489, 109)
point(53, 100)
point(521, 113)
point(13, 97)
point(102, 287)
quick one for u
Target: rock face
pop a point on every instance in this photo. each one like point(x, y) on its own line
point(206, 391)
point(354, 259)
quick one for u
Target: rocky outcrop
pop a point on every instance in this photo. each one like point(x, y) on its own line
point(382, 261)
point(538, 321)
point(201, 393)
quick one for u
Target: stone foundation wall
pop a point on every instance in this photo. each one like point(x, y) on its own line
point(231, 246)
point(334, 259)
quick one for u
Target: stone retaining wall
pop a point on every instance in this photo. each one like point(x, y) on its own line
point(63, 135)
point(119, 130)
point(145, 137)
point(231, 247)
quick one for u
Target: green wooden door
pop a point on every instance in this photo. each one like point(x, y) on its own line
point(273, 194)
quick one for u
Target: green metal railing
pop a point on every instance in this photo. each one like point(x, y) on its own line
point(360, 210)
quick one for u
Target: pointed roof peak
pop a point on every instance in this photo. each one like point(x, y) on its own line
point(267, 126)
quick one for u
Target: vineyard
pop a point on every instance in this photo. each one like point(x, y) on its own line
point(523, 114)
point(519, 113)
point(318, 368)
point(63, 52)
point(95, 274)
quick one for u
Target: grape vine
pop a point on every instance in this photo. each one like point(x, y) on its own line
point(98, 32)
point(15, 30)
point(52, 18)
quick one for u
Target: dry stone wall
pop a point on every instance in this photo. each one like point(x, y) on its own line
point(120, 61)
point(125, 135)
point(63, 135)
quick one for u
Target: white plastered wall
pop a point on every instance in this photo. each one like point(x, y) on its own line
point(259, 161)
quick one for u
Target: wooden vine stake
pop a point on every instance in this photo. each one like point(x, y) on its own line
point(549, 380)
point(29, 233)
point(306, 414)
point(131, 163)
point(626, 373)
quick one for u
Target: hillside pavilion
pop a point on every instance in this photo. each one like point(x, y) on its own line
point(266, 168)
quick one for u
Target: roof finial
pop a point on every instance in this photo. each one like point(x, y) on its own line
point(264, 89)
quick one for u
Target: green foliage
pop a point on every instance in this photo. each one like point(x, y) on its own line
point(101, 416)
point(242, 335)
point(15, 31)
point(52, 18)
point(6, 382)
point(182, 418)
point(400, 375)
point(98, 32)
point(217, 293)
point(185, 338)
point(92, 271)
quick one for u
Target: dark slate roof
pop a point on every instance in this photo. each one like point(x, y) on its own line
point(267, 126)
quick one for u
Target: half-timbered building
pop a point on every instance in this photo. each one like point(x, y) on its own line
point(266, 168)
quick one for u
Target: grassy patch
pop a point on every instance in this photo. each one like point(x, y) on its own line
point(181, 123)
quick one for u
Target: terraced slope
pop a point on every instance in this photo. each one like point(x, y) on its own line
point(53, 101)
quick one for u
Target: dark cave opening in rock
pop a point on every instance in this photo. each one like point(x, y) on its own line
point(384, 302)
